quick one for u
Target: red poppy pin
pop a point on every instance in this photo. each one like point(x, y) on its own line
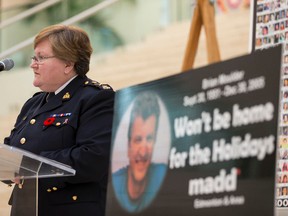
point(49, 121)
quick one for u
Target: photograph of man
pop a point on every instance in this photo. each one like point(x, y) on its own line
point(279, 192)
point(137, 184)
point(285, 93)
point(284, 167)
point(283, 154)
point(265, 30)
point(285, 106)
point(283, 142)
point(284, 179)
point(266, 18)
point(285, 118)
point(284, 191)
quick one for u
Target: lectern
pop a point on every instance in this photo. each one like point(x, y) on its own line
point(19, 164)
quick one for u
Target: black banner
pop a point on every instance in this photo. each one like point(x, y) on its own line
point(199, 143)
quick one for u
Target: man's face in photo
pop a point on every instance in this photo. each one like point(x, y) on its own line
point(141, 144)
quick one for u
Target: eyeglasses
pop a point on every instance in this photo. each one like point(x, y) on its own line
point(40, 59)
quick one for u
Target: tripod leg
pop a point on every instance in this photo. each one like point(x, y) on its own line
point(208, 17)
point(193, 39)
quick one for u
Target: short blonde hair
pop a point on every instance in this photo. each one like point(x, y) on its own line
point(69, 43)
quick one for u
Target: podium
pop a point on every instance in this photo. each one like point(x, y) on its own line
point(27, 167)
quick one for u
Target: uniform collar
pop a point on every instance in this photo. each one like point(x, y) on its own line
point(65, 84)
point(64, 95)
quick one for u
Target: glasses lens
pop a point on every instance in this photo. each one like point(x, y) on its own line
point(34, 59)
point(40, 59)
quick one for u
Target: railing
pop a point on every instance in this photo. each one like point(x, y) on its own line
point(42, 6)
point(28, 12)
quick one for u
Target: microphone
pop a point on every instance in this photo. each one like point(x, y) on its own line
point(6, 64)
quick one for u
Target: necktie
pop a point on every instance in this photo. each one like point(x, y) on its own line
point(49, 96)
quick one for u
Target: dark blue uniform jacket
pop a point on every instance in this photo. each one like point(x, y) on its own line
point(74, 128)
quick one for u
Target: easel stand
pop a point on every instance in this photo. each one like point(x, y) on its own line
point(203, 15)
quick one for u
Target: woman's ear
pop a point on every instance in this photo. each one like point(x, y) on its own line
point(69, 67)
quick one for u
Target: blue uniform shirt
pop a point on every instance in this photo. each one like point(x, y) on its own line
point(156, 174)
